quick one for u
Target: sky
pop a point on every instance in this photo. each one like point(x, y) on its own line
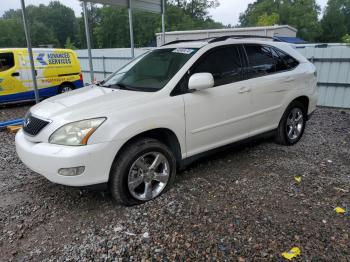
point(227, 13)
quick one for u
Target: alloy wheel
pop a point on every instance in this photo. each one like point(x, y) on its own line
point(66, 89)
point(148, 176)
point(295, 123)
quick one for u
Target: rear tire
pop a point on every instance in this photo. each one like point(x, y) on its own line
point(292, 125)
point(144, 170)
point(64, 88)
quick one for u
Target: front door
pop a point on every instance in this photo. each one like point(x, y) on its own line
point(8, 76)
point(219, 115)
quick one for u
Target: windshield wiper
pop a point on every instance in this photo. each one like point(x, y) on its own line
point(122, 86)
point(119, 86)
point(100, 83)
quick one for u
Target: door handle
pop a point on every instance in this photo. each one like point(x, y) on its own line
point(244, 89)
point(289, 79)
point(15, 74)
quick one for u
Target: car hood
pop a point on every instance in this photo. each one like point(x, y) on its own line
point(89, 102)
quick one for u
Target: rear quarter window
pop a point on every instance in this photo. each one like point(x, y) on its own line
point(283, 61)
point(7, 61)
point(260, 60)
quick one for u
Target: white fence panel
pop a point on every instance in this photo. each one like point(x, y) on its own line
point(106, 61)
point(333, 72)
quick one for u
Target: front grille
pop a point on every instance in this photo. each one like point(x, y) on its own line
point(32, 125)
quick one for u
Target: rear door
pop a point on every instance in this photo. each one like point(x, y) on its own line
point(219, 115)
point(271, 78)
point(267, 89)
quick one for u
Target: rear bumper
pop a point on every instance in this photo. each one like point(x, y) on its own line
point(313, 99)
point(46, 159)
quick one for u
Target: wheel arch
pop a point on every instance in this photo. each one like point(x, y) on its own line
point(164, 135)
point(67, 83)
point(304, 100)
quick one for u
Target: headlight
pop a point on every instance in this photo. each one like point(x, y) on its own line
point(76, 133)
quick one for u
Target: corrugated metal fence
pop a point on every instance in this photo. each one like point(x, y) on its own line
point(106, 61)
point(333, 72)
point(332, 62)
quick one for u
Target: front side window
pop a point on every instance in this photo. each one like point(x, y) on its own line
point(152, 71)
point(7, 61)
point(260, 59)
point(223, 63)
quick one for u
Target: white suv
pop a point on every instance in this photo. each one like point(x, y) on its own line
point(148, 119)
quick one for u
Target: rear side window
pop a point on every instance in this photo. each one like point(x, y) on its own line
point(223, 63)
point(260, 59)
point(283, 61)
point(7, 61)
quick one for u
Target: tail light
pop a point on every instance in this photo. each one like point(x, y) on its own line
point(81, 77)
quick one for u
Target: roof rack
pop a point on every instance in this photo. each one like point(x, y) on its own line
point(223, 38)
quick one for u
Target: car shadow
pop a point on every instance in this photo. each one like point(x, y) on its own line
point(101, 191)
point(222, 152)
point(13, 105)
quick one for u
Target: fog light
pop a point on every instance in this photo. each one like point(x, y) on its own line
point(72, 171)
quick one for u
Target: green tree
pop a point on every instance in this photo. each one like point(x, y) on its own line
point(12, 14)
point(69, 44)
point(302, 14)
point(346, 39)
point(42, 39)
point(49, 25)
point(11, 33)
point(195, 8)
point(56, 24)
point(58, 18)
point(268, 20)
point(94, 18)
point(112, 27)
point(336, 20)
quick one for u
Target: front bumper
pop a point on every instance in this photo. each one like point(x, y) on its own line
point(46, 159)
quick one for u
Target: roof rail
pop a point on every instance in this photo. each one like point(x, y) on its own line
point(188, 40)
point(225, 37)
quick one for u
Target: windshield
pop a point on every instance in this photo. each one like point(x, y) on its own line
point(150, 72)
point(6, 61)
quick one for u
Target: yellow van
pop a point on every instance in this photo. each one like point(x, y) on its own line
point(57, 71)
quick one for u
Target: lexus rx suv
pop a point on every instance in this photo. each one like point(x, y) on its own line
point(136, 128)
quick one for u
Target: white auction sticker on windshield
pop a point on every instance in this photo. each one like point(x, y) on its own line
point(183, 51)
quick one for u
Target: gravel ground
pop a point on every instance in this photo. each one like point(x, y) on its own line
point(239, 205)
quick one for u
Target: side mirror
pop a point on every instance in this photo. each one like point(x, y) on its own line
point(201, 81)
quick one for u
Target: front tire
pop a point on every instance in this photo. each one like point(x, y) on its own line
point(143, 171)
point(292, 125)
